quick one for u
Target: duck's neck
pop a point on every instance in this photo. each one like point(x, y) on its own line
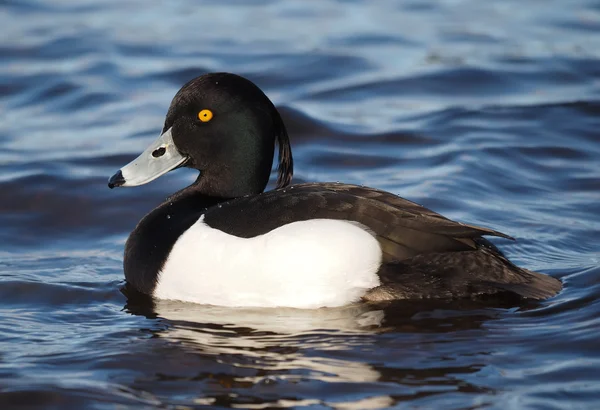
point(196, 197)
point(229, 182)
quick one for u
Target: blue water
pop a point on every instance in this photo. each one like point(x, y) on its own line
point(487, 112)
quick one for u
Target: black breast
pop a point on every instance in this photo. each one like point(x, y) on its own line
point(150, 243)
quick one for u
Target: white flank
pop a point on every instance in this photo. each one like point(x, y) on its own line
point(308, 264)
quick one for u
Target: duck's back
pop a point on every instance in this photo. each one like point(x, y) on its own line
point(403, 228)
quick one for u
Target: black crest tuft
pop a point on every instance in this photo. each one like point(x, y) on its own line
point(285, 169)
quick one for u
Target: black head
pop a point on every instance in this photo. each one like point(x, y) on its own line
point(224, 126)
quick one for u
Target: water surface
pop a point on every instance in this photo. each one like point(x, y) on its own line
point(487, 112)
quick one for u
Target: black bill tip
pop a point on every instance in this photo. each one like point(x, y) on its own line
point(116, 180)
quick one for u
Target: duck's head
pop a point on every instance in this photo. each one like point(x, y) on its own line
point(224, 126)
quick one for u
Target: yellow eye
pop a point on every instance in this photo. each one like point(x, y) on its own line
point(205, 115)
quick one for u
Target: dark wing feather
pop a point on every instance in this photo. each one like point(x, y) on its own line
point(403, 228)
point(416, 215)
point(460, 274)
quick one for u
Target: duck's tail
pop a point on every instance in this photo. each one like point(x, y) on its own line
point(534, 286)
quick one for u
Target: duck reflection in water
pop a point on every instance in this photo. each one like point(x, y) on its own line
point(263, 348)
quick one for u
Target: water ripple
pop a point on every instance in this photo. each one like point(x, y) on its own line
point(485, 114)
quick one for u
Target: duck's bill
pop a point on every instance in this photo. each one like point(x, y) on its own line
point(159, 158)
